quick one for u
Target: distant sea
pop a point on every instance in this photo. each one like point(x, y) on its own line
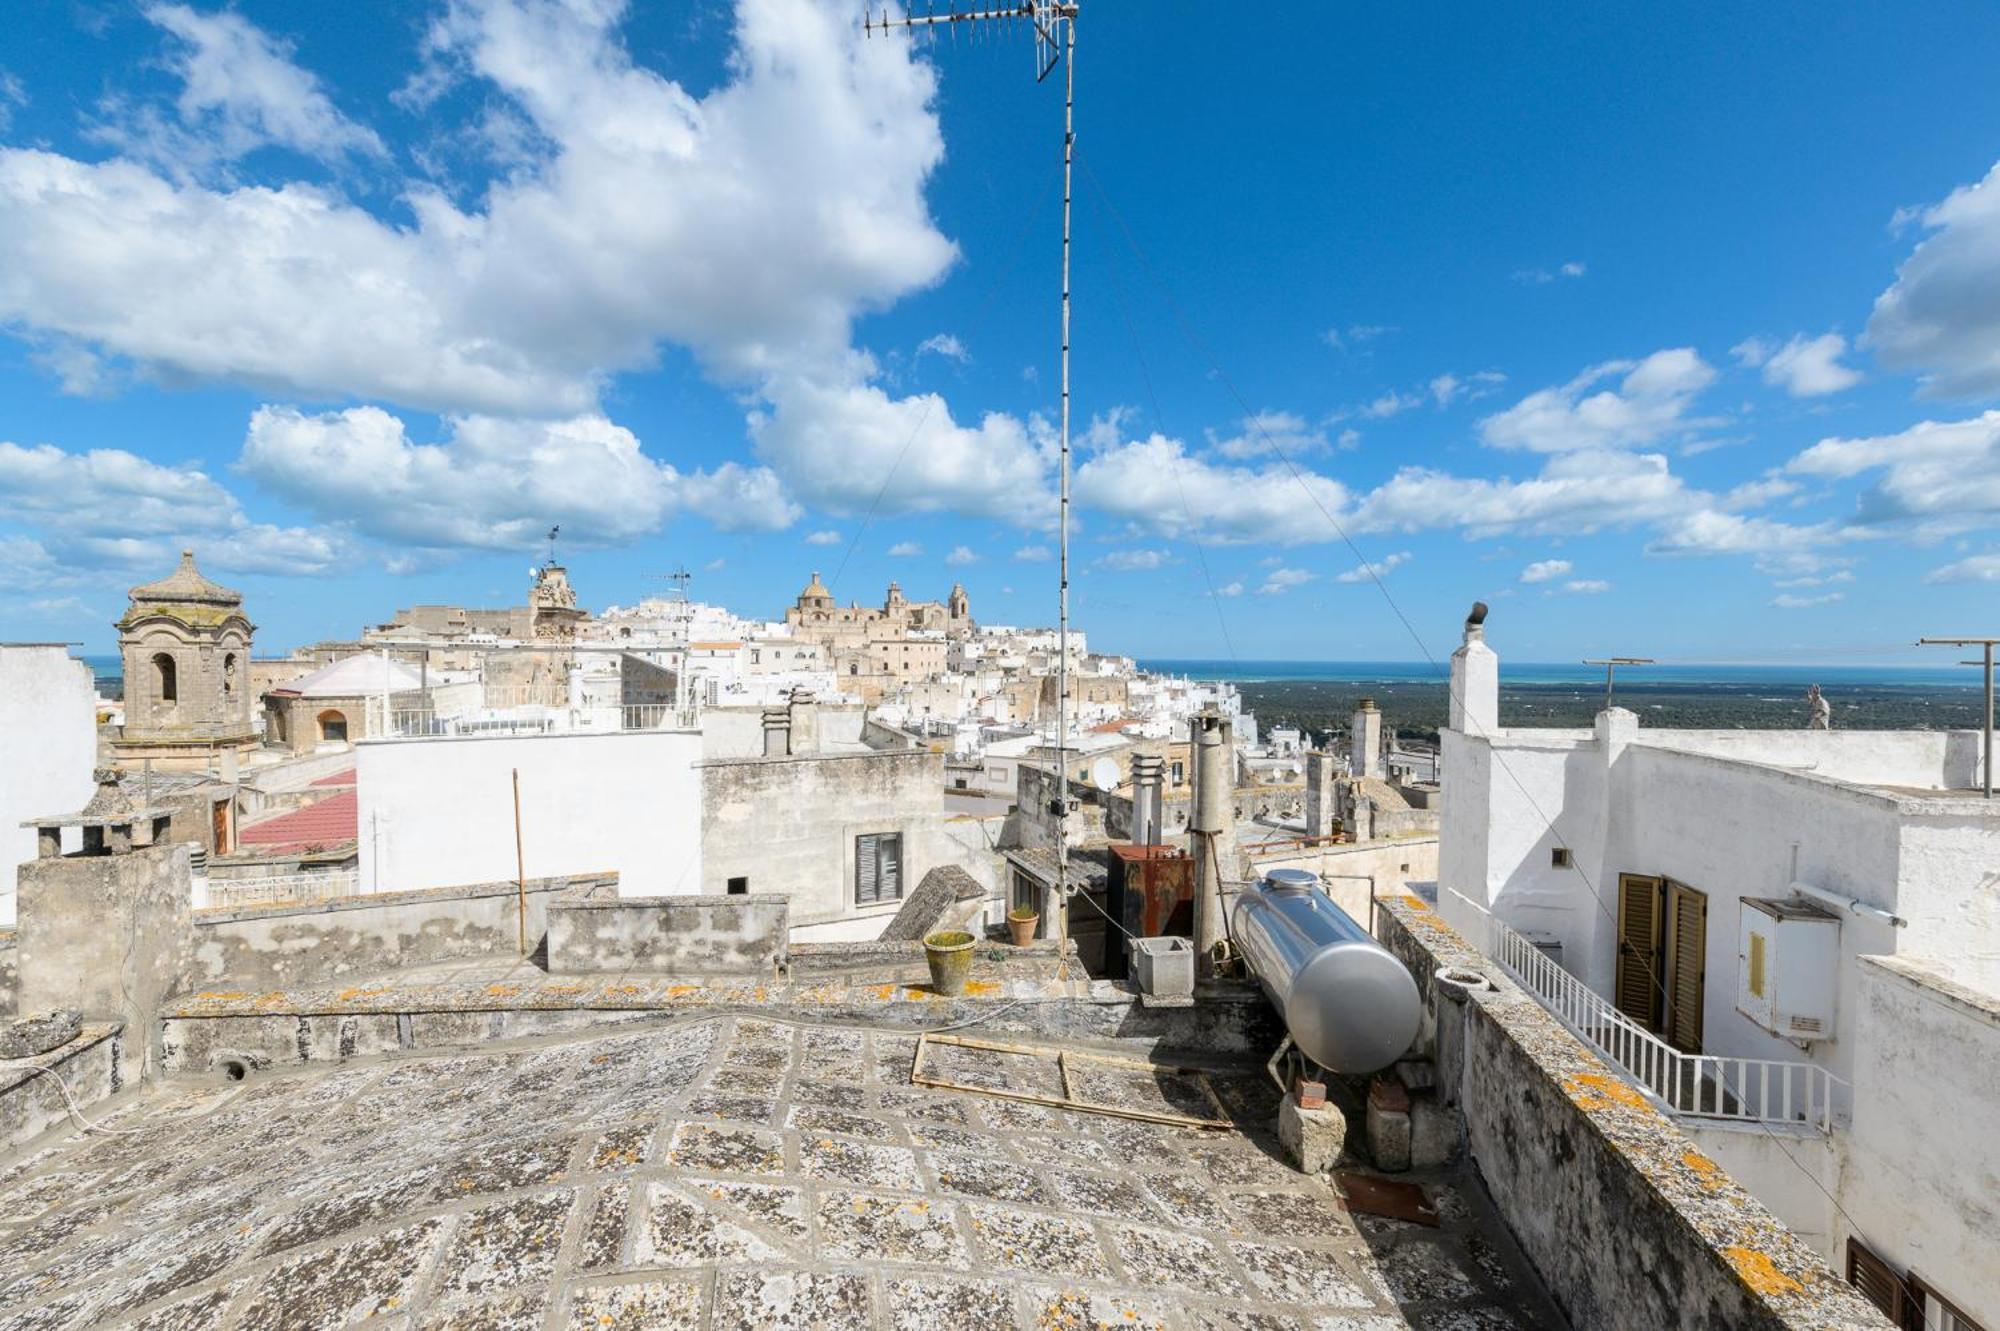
point(1747, 677)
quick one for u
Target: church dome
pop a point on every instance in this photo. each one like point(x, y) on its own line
point(187, 596)
point(815, 590)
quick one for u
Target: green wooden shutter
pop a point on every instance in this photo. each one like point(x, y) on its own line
point(1638, 980)
point(1687, 947)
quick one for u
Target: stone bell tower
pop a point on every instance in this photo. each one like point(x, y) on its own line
point(185, 642)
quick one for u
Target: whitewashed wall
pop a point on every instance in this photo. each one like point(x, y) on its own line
point(48, 747)
point(440, 812)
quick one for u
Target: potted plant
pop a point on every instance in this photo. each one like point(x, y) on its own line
point(1021, 922)
point(950, 957)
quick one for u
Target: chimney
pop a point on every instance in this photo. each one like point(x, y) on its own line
point(1320, 773)
point(1364, 755)
point(1148, 798)
point(777, 732)
point(1475, 679)
point(804, 721)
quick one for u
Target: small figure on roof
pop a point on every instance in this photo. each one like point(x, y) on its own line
point(1820, 711)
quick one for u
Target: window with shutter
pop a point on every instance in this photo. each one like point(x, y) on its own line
point(1881, 1286)
point(1934, 1312)
point(878, 867)
point(1638, 978)
point(1686, 967)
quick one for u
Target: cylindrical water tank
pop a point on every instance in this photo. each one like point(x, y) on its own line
point(1350, 1006)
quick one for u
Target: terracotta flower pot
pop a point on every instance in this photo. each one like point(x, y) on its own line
point(950, 958)
point(1022, 928)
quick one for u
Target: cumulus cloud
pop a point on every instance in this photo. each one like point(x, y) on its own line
point(1649, 401)
point(1586, 586)
point(946, 345)
point(1230, 589)
point(961, 555)
point(1545, 570)
point(1355, 335)
point(1803, 367)
point(494, 483)
point(1788, 601)
point(1974, 568)
point(1255, 434)
point(905, 550)
point(1155, 484)
point(1133, 561)
point(1032, 554)
point(1944, 473)
point(823, 538)
point(1543, 276)
point(1281, 580)
point(1941, 317)
point(1369, 572)
point(107, 508)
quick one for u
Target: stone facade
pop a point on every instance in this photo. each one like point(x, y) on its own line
point(186, 647)
point(815, 617)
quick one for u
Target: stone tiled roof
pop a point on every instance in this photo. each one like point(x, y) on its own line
point(326, 823)
point(187, 583)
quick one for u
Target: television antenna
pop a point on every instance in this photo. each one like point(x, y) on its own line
point(680, 578)
point(1611, 664)
point(552, 541)
point(1986, 660)
point(1054, 24)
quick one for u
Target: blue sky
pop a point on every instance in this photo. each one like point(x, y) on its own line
point(1666, 331)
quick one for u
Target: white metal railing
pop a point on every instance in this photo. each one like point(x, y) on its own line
point(271, 889)
point(429, 723)
point(1717, 1086)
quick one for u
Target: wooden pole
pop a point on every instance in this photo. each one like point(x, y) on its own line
point(520, 866)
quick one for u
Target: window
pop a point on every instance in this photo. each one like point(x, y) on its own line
point(229, 675)
point(1180, 773)
point(1559, 857)
point(332, 728)
point(878, 867)
point(739, 887)
point(167, 677)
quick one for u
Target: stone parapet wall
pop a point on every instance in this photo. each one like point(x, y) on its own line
point(10, 972)
point(288, 946)
point(598, 932)
point(91, 1066)
point(1617, 1209)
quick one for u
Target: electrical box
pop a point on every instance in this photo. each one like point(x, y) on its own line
point(1787, 967)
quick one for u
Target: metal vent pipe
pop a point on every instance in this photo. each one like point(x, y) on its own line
point(1349, 1004)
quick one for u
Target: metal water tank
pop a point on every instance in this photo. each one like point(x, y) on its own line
point(1350, 1006)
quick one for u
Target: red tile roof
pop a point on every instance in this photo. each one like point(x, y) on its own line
point(337, 779)
point(327, 823)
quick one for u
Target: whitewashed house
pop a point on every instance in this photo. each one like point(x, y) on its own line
point(1790, 939)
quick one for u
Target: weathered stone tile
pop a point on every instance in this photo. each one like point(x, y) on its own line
point(790, 1301)
point(1066, 1308)
point(1049, 1245)
point(602, 1242)
point(1190, 1202)
point(189, 1258)
point(733, 1080)
point(768, 1057)
point(350, 1205)
point(731, 1150)
point(960, 1305)
point(1293, 1214)
point(961, 1140)
point(1099, 1194)
point(195, 1314)
point(1420, 1271)
point(774, 1206)
point(927, 1106)
point(1063, 1147)
point(869, 1165)
point(841, 1094)
point(75, 1310)
point(832, 1039)
point(622, 1148)
point(679, 1233)
point(818, 1118)
point(504, 1246)
point(502, 1169)
point(1232, 1159)
point(1299, 1275)
point(1150, 1145)
point(1168, 1257)
point(736, 1108)
point(520, 1310)
point(1479, 1318)
point(365, 1278)
point(859, 1227)
point(891, 1058)
point(994, 1180)
point(673, 1303)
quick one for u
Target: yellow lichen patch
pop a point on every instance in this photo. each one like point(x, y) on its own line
point(503, 990)
point(1760, 1273)
point(1592, 1091)
point(981, 988)
point(682, 990)
point(272, 999)
point(221, 995)
point(882, 993)
point(1711, 1174)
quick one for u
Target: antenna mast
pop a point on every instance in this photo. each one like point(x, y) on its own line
point(1054, 22)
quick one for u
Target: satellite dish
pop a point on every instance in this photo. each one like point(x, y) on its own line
point(1104, 772)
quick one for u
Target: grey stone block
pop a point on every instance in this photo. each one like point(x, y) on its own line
point(39, 1032)
point(1313, 1138)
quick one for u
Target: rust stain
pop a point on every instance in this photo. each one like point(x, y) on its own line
point(1760, 1273)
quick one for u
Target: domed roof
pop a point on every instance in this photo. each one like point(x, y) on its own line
point(815, 590)
point(186, 583)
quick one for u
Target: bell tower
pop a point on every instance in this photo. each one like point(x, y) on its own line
point(185, 642)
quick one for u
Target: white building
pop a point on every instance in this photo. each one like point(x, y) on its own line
point(1791, 939)
point(48, 735)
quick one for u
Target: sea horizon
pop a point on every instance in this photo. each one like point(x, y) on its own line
point(1563, 673)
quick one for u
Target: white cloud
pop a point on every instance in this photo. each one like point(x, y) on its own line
point(715, 565)
point(1230, 589)
point(1974, 568)
point(1803, 367)
point(494, 484)
point(961, 555)
point(1586, 586)
point(1709, 531)
point(1281, 580)
point(946, 345)
point(1545, 570)
point(1649, 402)
point(1946, 473)
point(1369, 572)
point(1941, 316)
point(1391, 403)
point(824, 538)
point(1032, 554)
point(1355, 335)
point(1542, 276)
point(1155, 484)
point(1575, 493)
point(107, 508)
point(1255, 435)
point(239, 92)
point(1787, 601)
point(1133, 561)
point(905, 550)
